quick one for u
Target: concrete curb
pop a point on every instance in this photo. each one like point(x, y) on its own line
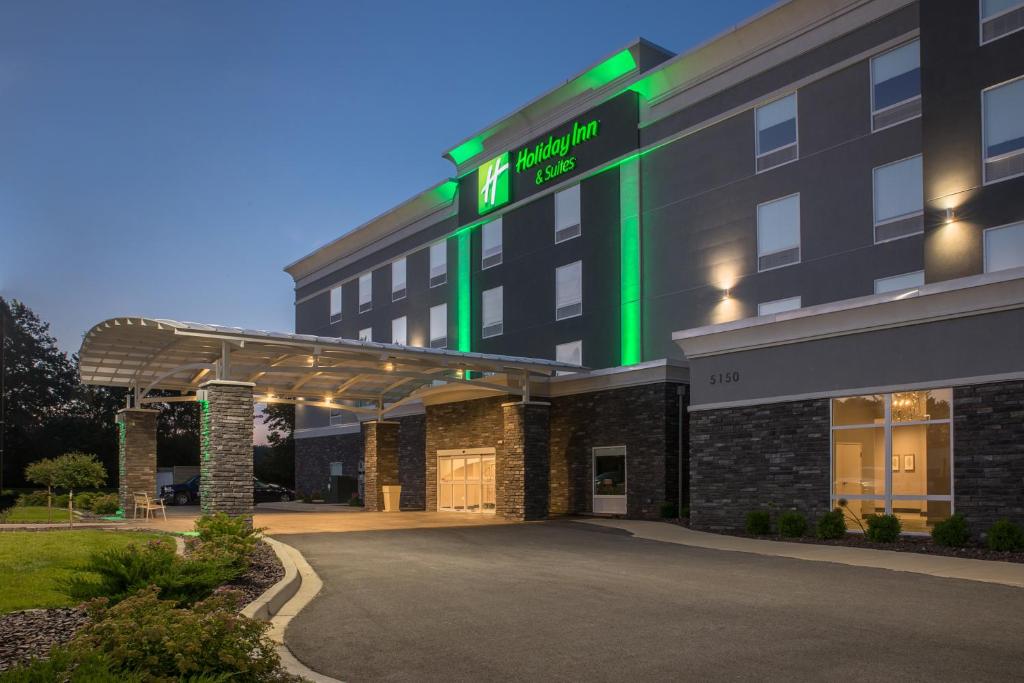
point(280, 603)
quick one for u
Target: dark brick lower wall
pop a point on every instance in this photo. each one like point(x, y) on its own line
point(988, 452)
point(755, 457)
point(313, 458)
point(412, 472)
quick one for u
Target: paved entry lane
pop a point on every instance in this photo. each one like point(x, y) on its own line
point(571, 601)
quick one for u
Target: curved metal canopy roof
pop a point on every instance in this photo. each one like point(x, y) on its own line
point(145, 354)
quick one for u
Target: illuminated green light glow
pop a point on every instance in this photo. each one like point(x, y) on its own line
point(468, 149)
point(462, 290)
point(616, 66)
point(492, 184)
point(445, 192)
point(629, 261)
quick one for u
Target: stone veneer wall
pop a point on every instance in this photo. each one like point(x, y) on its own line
point(314, 455)
point(380, 461)
point(226, 449)
point(412, 466)
point(136, 455)
point(988, 452)
point(755, 457)
point(521, 477)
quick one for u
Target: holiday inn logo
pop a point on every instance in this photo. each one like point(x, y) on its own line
point(492, 184)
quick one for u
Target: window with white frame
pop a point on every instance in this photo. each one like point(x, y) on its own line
point(335, 304)
point(896, 86)
point(439, 326)
point(1004, 247)
point(438, 263)
point(567, 214)
point(365, 292)
point(569, 352)
point(898, 199)
point(366, 334)
point(778, 233)
point(490, 247)
point(398, 288)
point(491, 314)
point(1000, 18)
point(896, 283)
point(778, 306)
point(776, 140)
point(569, 291)
point(1003, 118)
point(398, 331)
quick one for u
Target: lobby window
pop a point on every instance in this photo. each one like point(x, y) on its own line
point(899, 199)
point(1003, 119)
point(335, 304)
point(569, 352)
point(891, 454)
point(1004, 247)
point(896, 86)
point(439, 326)
point(778, 306)
point(778, 233)
point(896, 283)
point(398, 289)
point(438, 263)
point(366, 334)
point(340, 416)
point(491, 312)
point(569, 291)
point(776, 133)
point(398, 331)
point(365, 292)
point(1000, 18)
point(567, 214)
point(490, 251)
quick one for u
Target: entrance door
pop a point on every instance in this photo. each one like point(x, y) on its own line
point(610, 480)
point(465, 480)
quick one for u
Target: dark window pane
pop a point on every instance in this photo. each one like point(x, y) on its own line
point(1005, 147)
point(776, 136)
point(897, 89)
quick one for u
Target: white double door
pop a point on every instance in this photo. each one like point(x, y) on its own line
point(465, 480)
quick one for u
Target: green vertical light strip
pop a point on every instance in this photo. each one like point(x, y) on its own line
point(629, 261)
point(463, 290)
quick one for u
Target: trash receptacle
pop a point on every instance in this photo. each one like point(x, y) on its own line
point(392, 496)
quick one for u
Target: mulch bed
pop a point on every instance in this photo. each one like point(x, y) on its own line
point(264, 571)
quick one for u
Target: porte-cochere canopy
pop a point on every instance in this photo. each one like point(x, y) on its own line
point(369, 378)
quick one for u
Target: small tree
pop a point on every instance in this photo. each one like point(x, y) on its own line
point(78, 471)
point(43, 472)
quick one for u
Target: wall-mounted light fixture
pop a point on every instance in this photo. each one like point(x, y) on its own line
point(725, 295)
point(950, 215)
point(389, 367)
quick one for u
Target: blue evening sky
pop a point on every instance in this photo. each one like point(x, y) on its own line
point(167, 159)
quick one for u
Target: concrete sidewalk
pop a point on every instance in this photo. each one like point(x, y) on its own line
point(1005, 573)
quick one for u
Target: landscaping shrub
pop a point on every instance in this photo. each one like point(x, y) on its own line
point(226, 539)
point(83, 501)
point(792, 524)
point(759, 523)
point(60, 501)
point(62, 665)
point(952, 532)
point(34, 499)
point(355, 501)
point(883, 528)
point(667, 510)
point(1004, 535)
point(105, 504)
point(831, 525)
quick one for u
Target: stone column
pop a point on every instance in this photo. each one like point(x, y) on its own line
point(225, 448)
point(136, 461)
point(522, 476)
point(380, 462)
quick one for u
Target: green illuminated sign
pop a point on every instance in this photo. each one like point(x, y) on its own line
point(557, 150)
point(492, 184)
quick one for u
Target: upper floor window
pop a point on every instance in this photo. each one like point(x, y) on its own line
point(776, 133)
point(778, 306)
point(896, 86)
point(569, 352)
point(1000, 17)
point(899, 199)
point(569, 291)
point(335, 304)
point(398, 279)
point(398, 331)
point(567, 214)
point(778, 233)
point(490, 252)
point(366, 334)
point(896, 283)
point(1003, 119)
point(491, 313)
point(1004, 247)
point(438, 263)
point(439, 326)
point(365, 292)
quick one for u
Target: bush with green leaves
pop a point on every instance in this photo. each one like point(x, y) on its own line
point(883, 528)
point(223, 538)
point(831, 525)
point(952, 532)
point(1005, 536)
point(668, 510)
point(83, 501)
point(792, 524)
point(34, 499)
point(61, 501)
point(105, 504)
point(759, 523)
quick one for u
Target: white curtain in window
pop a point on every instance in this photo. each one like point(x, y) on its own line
point(492, 238)
point(492, 305)
point(569, 284)
point(1004, 118)
point(898, 282)
point(398, 331)
point(438, 322)
point(366, 334)
point(438, 259)
point(990, 7)
point(570, 352)
point(776, 112)
point(398, 274)
point(899, 190)
point(778, 225)
point(365, 289)
point(567, 208)
point(336, 301)
point(1004, 248)
point(896, 62)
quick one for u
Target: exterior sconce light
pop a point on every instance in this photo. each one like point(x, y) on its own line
point(950, 215)
point(725, 295)
point(389, 367)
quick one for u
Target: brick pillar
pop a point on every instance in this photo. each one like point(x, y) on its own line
point(522, 476)
point(380, 462)
point(136, 461)
point(225, 448)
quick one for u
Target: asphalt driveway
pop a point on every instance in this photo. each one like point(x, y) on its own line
point(571, 601)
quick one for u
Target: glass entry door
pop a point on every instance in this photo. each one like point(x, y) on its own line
point(610, 480)
point(465, 480)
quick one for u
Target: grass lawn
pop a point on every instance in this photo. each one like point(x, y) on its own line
point(24, 514)
point(33, 563)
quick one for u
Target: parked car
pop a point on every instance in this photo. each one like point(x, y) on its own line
point(187, 493)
